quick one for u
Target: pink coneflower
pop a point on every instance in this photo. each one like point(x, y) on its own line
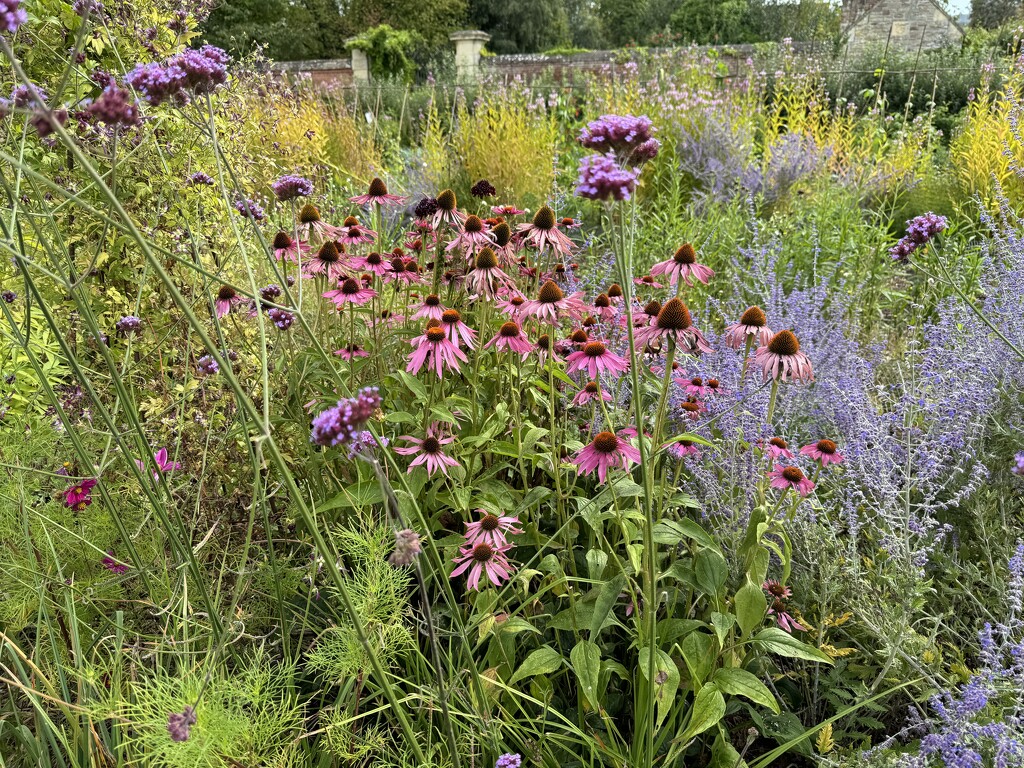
point(604, 309)
point(683, 265)
point(648, 314)
point(568, 223)
point(491, 529)
point(591, 390)
point(373, 262)
point(354, 233)
point(512, 305)
point(226, 298)
point(753, 327)
point(326, 261)
point(484, 559)
point(79, 492)
point(310, 224)
point(784, 478)
point(595, 357)
point(542, 233)
point(781, 358)
point(647, 282)
point(824, 451)
point(428, 452)
point(777, 448)
point(436, 351)
point(378, 193)
point(447, 210)
point(692, 408)
point(504, 244)
point(451, 321)
point(431, 308)
point(545, 350)
point(683, 448)
point(163, 464)
point(674, 322)
point(510, 336)
point(351, 291)
point(401, 270)
point(113, 565)
point(351, 352)
point(605, 451)
point(785, 621)
point(506, 210)
point(695, 386)
point(552, 302)
point(487, 277)
point(287, 249)
point(472, 235)
point(776, 589)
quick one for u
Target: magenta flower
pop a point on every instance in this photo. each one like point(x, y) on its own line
point(435, 350)
point(543, 233)
point(327, 261)
point(483, 559)
point(487, 277)
point(605, 310)
point(673, 322)
point(451, 321)
point(510, 336)
point(785, 478)
point(491, 529)
point(506, 210)
point(607, 450)
point(402, 270)
point(287, 249)
point(753, 327)
point(782, 359)
point(590, 390)
point(777, 448)
point(112, 564)
point(446, 210)
point(163, 464)
point(824, 451)
point(646, 281)
point(596, 358)
point(696, 386)
point(429, 452)
point(377, 193)
point(551, 302)
point(12, 15)
point(778, 608)
point(683, 448)
point(351, 291)
point(79, 492)
point(372, 262)
point(226, 298)
point(682, 266)
point(351, 352)
point(310, 224)
point(473, 235)
point(512, 305)
point(431, 308)
point(354, 233)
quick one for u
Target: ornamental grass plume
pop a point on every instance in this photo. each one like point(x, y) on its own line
point(682, 266)
point(377, 194)
point(781, 359)
point(342, 423)
point(606, 451)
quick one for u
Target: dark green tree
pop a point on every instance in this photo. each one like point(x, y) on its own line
point(524, 26)
point(585, 27)
point(990, 14)
point(625, 21)
point(301, 29)
point(713, 22)
point(433, 21)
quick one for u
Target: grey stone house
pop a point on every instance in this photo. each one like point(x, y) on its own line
point(913, 24)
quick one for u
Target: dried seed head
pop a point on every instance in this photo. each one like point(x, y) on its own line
point(378, 188)
point(309, 214)
point(282, 240)
point(486, 259)
point(754, 316)
point(550, 293)
point(446, 201)
point(544, 218)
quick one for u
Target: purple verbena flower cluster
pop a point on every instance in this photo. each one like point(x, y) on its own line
point(630, 138)
point(509, 760)
point(114, 106)
point(190, 72)
point(601, 178)
point(179, 724)
point(207, 366)
point(128, 324)
point(250, 209)
point(86, 8)
point(9, 297)
point(282, 318)
point(1018, 464)
point(290, 187)
point(200, 179)
point(343, 423)
point(920, 230)
point(12, 15)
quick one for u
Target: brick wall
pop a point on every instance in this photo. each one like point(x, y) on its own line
point(330, 73)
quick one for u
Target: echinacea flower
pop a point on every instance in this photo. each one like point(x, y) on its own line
point(591, 390)
point(112, 564)
point(486, 277)
point(682, 266)
point(605, 451)
point(226, 298)
point(428, 451)
point(510, 336)
point(310, 224)
point(781, 359)
point(451, 321)
point(824, 451)
point(491, 529)
point(595, 357)
point(646, 281)
point(373, 262)
point(604, 309)
point(401, 270)
point(431, 308)
point(785, 478)
point(551, 302)
point(674, 322)
point(506, 210)
point(351, 291)
point(163, 464)
point(353, 233)
point(473, 234)
point(447, 211)
point(752, 327)
point(377, 194)
point(776, 589)
point(542, 233)
point(691, 408)
point(79, 492)
point(483, 559)
point(287, 249)
point(512, 305)
point(683, 448)
point(342, 423)
point(648, 315)
point(435, 350)
point(777, 448)
point(694, 386)
point(326, 261)
point(351, 352)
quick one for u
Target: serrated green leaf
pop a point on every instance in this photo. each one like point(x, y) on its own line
point(542, 661)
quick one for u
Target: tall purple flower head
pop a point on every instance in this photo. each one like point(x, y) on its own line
point(86, 8)
point(282, 318)
point(1018, 464)
point(179, 724)
point(601, 178)
point(179, 76)
point(920, 231)
point(114, 106)
point(12, 15)
point(200, 179)
point(128, 324)
point(509, 760)
point(250, 209)
point(290, 187)
point(630, 138)
point(343, 423)
point(21, 96)
point(207, 366)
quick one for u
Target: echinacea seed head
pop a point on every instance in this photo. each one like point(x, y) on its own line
point(350, 221)
point(592, 388)
point(446, 201)
point(436, 334)
point(490, 522)
point(685, 255)
point(483, 552)
point(398, 264)
point(350, 286)
point(594, 349)
point(378, 188)
point(517, 301)
point(431, 323)
point(486, 259)
point(502, 234)
point(474, 224)
point(550, 293)
point(431, 445)
point(775, 589)
point(784, 343)
point(589, 321)
point(544, 218)
point(309, 214)
point(826, 446)
point(509, 330)
point(778, 442)
point(432, 300)
point(691, 406)
point(226, 293)
point(560, 269)
point(544, 342)
point(615, 291)
point(714, 383)
point(647, 279)
point(686, 443)
point(282, 240)
point(778, 606)
point(652, 308)
point(602, 301)
point(755, 317)
point(328, 252)
point(793, 474)
point(606, 442)
point(579, 336)
point(674, 316)
point(451, 317)
point(697, 381)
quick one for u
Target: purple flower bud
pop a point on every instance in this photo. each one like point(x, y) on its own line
point(128, 324)
point(179, 724)
point(250, 209)
point(509, 760)
point(281, 318)
point(291, 187)
point(115, 106)
point(342, 423)
point(199, 178)
point(9, 297)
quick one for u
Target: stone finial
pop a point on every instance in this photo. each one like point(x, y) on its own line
point(468, 45)
point(360, 65)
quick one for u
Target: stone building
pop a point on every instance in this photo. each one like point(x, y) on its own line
point(908, 25)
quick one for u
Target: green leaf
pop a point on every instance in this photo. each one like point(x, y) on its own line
point(751, 607)
point(586, 662)
point(711, 571)
point(666, 681)
point(542, 661)
point(413, 385)
point(700, 651)
point(596, 561)
point(674, 531)
point(607, 594)
point(775, 640)
point(739, 682)
point(722, 623)
point(724, 754)
point(359, 495)
point(708, 709)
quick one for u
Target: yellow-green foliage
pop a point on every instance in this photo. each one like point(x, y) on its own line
point(982, 149)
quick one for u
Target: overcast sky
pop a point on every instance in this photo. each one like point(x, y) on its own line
point(960, 6)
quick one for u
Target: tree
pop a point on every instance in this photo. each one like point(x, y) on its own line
point(304, 29)
point(713, 21)
point(990, 14)
point(433, 21)
point(525, 26)
point(625, 21)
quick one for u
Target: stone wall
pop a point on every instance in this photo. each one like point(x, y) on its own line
point(914, 23)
